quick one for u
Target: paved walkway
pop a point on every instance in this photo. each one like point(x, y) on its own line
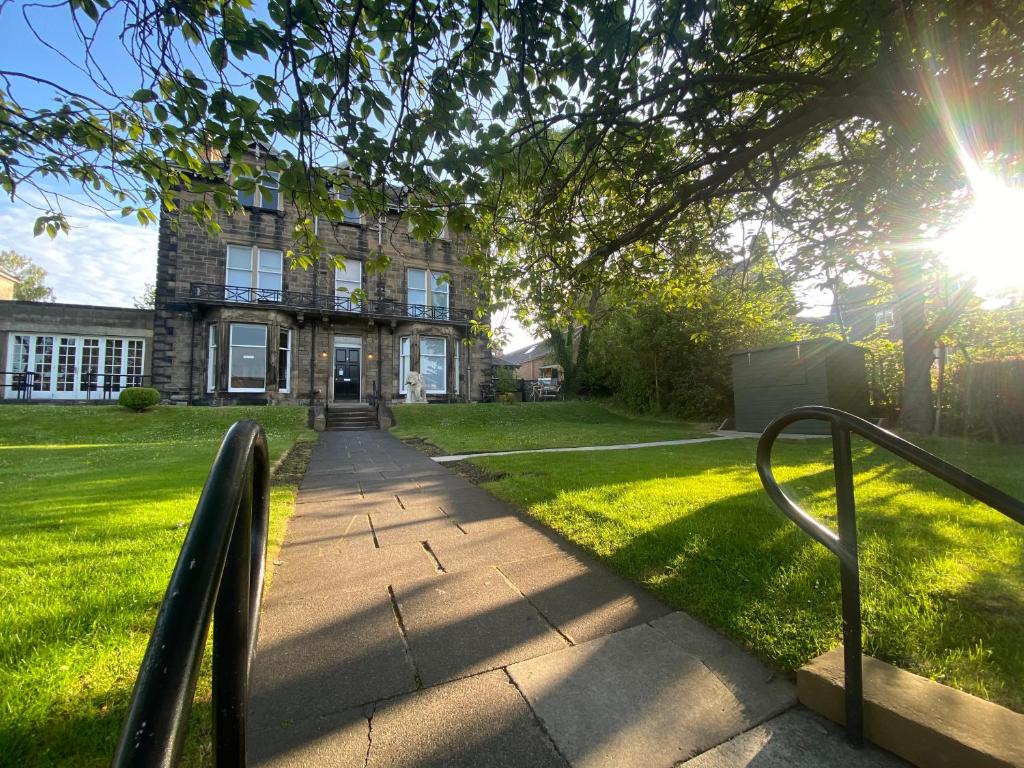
point(414, 620)
point(716, 437)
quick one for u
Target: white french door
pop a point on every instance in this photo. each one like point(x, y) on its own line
point(73, 367)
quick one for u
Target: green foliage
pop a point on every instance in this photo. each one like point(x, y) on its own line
point(138, 399)
point(941, 577)
point(505, 381)
point(95, 508)
point(147, 299)
point(667, 347)
point(802, 106)
point(884, 362)
point(31, 277)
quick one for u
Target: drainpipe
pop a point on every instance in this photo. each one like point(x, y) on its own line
point(380, 364)
point(312, 344)
point(312, 364)
point(192, 357)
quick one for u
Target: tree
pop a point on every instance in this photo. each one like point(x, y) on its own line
point(666, 346)
point(146, 299)
point(31, 278)
point(832, 119)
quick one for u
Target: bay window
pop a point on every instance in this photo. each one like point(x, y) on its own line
point(434, 364)
point(284, 360)
point(247, 364)
point(211, 359)
point(457, 364)
point(404, 351)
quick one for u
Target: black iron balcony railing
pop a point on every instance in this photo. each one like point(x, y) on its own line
point(325, 302)
point(219, 576)
point(843, 544)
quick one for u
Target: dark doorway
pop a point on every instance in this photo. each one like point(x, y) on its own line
point(346, 373)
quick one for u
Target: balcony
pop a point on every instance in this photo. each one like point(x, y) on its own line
point(210, 293)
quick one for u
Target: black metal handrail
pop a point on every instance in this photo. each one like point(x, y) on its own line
point(843, 544)
point(219, 575)
point(21, 383)
point(325, 302)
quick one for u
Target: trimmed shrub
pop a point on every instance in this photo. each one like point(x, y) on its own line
point(138, 398)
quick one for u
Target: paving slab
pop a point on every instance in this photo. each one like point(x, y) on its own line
point(795, 739)
point(329, 473)
point(326, 652)
point(339, 739)
point(455, 497)
point(324, 535)
point(493, 547)
point(762, 691)
point(584, 600)
point(413, 525)
point(332, 570)
point(629, 699)
point(489, 604)
point(325, 495)
point(487, 514)
point(461, 624)
point(477, 722)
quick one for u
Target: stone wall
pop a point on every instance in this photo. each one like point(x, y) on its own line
point(188, 254)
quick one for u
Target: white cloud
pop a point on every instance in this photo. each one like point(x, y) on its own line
point(101, 261)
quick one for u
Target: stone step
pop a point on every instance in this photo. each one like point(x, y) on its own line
point(926, 723)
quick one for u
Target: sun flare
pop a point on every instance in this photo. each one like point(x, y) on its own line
point(988, 243)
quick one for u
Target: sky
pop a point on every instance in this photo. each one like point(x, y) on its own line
point(101, 261)
point(105, 261)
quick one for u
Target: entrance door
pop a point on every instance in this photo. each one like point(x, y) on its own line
point(346, 373)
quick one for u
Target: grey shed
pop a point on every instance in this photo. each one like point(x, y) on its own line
point(767, 382)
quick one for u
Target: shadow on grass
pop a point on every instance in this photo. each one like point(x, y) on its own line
point(86, 735)
point(736, 562)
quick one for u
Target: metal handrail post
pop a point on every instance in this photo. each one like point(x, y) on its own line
point(843, 544)
point(849, 578)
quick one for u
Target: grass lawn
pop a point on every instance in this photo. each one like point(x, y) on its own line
point(942, 577)
point(94, 505)
point(478, 427)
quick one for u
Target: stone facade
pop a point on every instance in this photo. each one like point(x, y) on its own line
point(196, 310)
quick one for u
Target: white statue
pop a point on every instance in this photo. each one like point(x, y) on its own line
point(415, 388)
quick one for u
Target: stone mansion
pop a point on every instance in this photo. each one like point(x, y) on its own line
point(235, 324)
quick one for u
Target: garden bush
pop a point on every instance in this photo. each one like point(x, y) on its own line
point(138, 398)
